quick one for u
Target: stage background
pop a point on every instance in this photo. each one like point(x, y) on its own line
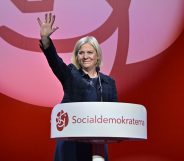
point(143, 43)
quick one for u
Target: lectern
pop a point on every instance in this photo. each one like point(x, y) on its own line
point(99, 122)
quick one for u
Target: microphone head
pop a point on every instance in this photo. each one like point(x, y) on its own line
point(97, 69)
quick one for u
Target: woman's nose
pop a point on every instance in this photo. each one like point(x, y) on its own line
point(86, 55)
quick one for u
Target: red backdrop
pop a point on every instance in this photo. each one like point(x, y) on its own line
point(162, 93)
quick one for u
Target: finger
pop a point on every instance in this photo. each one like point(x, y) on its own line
point(52, 20)
point(53, 30)
point(49, 17)
point(39, 21)
point(46, 15)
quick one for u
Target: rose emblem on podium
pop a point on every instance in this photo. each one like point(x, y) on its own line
point(61, 120)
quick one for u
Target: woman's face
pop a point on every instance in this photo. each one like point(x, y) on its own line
point(87, 57)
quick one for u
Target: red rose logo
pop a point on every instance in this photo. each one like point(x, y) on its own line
point(61, 120)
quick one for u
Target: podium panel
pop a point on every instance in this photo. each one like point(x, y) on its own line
point(99, 121)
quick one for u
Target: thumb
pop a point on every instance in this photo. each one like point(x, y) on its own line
point(53, 30)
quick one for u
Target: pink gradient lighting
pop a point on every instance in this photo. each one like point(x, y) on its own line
point(26, 76)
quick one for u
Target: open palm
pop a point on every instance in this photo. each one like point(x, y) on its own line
point(46, 27)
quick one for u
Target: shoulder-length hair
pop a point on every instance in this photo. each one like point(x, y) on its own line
point(92, 41)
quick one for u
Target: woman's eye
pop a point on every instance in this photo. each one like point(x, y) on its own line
point(87, 52)
point(90, 52)
point(80, 52)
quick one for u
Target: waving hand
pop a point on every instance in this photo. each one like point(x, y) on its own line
point(46, 28)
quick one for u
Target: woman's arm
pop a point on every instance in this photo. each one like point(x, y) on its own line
point(59, 68)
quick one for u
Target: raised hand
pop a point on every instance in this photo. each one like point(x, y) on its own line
point(46, 27)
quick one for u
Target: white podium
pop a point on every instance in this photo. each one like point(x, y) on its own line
point(100, 122)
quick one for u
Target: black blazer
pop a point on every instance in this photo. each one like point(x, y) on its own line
point(76, 84)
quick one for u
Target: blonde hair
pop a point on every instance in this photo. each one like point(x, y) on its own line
point(92, 41)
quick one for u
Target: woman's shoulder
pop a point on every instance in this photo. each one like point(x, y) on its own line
point(72, 66)
point(106, 78)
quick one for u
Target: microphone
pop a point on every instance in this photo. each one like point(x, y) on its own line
point(97, 69)
point(101, 90)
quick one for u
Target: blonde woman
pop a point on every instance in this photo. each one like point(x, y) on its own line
point(82, 82)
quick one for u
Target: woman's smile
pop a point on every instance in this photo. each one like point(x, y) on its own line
point(87, 57)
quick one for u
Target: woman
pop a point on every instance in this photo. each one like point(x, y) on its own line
point(82, 82)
